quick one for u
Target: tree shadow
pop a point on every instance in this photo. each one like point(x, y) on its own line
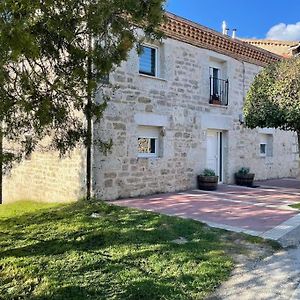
point(125, 254)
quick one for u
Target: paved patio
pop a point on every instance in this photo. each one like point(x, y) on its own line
point(260, 211)
point(291, 184)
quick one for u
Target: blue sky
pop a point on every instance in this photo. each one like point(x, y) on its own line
point(252, 18)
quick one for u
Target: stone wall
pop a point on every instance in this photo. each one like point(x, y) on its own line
point(46, 177)
point(179, 103)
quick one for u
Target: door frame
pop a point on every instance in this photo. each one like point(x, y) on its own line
point(220, 152)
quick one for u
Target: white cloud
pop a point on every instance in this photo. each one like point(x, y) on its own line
point(281, 31)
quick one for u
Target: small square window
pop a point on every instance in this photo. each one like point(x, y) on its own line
point(266, 145)
point(148, 61)
point(147, 147)
point(149, 141)
point(263, 149)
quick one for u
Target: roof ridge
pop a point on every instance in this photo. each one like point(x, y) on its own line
point(281, 42)
point(201, 36)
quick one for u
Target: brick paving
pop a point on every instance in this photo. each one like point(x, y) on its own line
point(250, 209)
point(292, 184)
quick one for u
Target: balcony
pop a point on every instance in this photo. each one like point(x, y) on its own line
point(218, 91)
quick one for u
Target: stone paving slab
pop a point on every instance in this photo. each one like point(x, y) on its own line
point(257, 212)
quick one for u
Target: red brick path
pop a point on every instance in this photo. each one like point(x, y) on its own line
point(251, 209)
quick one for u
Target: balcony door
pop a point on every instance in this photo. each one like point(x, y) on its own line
point(219, 83)
point(215, 75)
point(214, 157)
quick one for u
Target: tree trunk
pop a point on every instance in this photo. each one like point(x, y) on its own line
point(89, 124)
point(1, 166)
point(298, 136)
point(89, 152)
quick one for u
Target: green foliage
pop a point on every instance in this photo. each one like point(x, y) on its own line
point(274, 97)
point(297, 206)
point(243, 171)
point(61, 252)
point(208, 172)
point(47, 50)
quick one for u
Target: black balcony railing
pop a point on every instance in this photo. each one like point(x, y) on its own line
point(218, 91)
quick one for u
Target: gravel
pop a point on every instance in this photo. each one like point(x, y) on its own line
point(274, 276)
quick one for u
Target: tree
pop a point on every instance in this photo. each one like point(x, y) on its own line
point(54, 56)
point(274, 97)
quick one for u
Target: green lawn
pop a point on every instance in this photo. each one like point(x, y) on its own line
point(297, 206)
point(60, 252)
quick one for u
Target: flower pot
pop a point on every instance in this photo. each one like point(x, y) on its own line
point(208, 183)
point(244, 179)
point(216, 102)
point(215, 99)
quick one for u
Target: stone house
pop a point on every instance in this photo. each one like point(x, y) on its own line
point(282, 48)
point(177, 111)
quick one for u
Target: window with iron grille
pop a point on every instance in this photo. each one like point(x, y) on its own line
point(218, 87)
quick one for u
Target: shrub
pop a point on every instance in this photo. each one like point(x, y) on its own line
point(208, 172)
point(243, 171)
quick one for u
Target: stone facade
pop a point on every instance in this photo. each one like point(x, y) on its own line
point(46, 177)
point(178, 102)
point(175, 104)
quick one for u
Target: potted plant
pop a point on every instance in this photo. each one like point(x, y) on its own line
point(208, 180)
point(244, 177)
point(215, 99)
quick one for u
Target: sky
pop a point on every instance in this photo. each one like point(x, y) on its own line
point(272, 19)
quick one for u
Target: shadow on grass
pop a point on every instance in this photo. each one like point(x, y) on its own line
point(143, 289)
point(63, 253)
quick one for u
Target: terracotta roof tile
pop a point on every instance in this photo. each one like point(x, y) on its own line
point(282, 48)
point(200, 36)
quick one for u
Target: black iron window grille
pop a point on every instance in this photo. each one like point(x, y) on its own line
point(218, 91)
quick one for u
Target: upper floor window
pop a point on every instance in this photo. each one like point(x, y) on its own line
point(218, 81)
point(218, 87)
point(215, 74)
point(148, 61)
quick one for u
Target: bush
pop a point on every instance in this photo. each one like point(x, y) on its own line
point(243, 171)
point(208, 172)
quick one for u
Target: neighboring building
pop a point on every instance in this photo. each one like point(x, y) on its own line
point(282, 48)
point(177, 111)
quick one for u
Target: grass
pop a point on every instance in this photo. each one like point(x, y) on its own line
point(59, 252)
point(297, 206)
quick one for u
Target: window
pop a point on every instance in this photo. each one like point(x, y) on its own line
point(148, 141)
point(218, 85)
point(266, 145)
point(263, 149)
point(148, 61)
point(147, 146)
point(215, 73)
